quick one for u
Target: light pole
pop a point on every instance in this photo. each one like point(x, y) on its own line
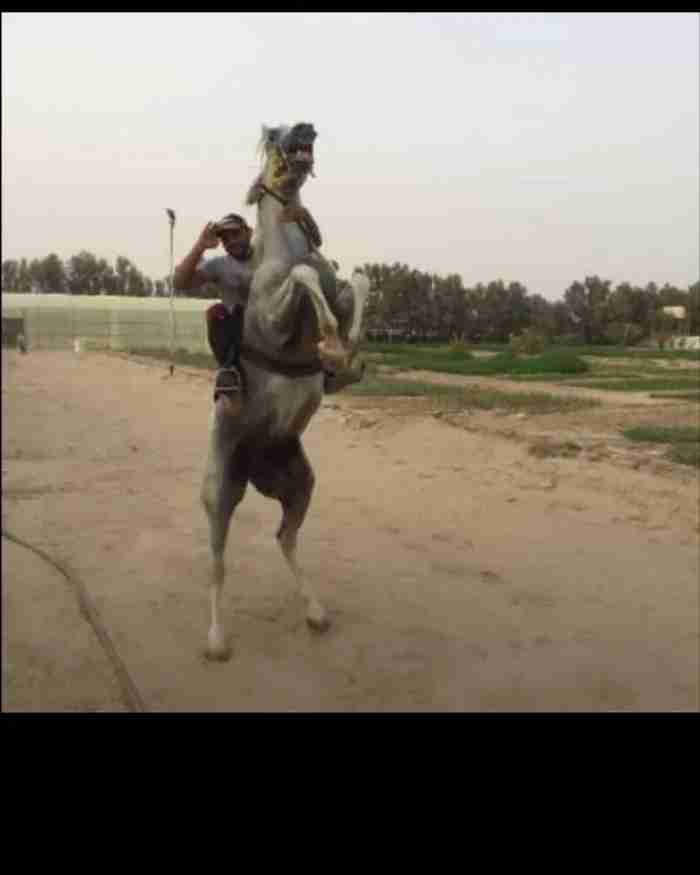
point(171, 218)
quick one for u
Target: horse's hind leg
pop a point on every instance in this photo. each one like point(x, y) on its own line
point(222, 489)
point(288, 476)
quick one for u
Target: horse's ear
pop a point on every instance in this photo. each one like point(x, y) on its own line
point(268, 136)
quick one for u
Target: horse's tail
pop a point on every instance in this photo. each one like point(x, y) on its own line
point(360, 287)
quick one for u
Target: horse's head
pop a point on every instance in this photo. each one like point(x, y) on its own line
point(289, 158)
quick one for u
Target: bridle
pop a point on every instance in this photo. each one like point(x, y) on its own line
point(311, 232)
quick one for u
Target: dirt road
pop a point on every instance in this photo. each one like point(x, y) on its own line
point(462, 573)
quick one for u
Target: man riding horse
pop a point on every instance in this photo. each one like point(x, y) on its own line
point(232, 273)
point(285, 331)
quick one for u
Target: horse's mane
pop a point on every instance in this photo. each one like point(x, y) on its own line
point(254, 192)
point(267, 136)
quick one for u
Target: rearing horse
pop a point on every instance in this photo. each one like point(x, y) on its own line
point(296, 323)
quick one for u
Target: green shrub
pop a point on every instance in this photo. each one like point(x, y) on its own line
point(458, 346)
point(664, 434)
point(623, 334)
point(555, 361)
point(528, 343)
point(569, 340)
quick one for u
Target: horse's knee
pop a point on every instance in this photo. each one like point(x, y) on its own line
point(207, 495)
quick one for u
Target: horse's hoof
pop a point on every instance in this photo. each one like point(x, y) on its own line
point(217, 648)
point(221, 655)
point(318, 624)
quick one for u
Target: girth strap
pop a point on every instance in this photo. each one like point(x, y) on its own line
point(277, 367)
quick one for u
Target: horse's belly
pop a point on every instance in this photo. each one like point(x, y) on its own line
point(292, 403)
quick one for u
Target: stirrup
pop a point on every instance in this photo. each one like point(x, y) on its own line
point(228, 382)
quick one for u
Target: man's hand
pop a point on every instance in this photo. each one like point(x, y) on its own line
point(208, 238)
point(186, 275)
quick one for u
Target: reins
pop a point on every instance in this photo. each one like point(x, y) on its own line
point(307, 224)
point(311, 232)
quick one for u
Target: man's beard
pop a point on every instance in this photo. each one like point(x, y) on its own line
point(241, 254)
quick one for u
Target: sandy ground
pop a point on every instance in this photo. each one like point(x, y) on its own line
point(462, 572)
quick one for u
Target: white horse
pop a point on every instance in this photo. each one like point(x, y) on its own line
point(297, 323)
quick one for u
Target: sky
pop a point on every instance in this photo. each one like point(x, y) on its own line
point(532, 147)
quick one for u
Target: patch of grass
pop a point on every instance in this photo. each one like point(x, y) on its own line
point(553, 361)
point(685, 454)
point(641, 354)
point(372, 385)
point(641, 384)
point(383, 348)
point(538, 378)
point(684, 441)
point(455, 398)
point(524, 402)
point(454, 361)
point(681, 396)
point(663, 434)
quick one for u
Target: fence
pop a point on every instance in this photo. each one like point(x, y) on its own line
point(105, 323)
point(11, 329)
point(687, 342)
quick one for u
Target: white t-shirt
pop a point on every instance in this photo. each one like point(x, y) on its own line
point(232, 277)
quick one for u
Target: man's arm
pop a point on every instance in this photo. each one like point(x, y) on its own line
point(186, 275)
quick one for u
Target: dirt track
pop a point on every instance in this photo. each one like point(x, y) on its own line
point(461, 572)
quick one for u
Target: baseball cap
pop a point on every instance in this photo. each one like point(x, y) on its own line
point(230, 222)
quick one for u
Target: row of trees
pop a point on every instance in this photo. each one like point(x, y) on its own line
point(425, 304)
point(417, 303)
point(81, 274)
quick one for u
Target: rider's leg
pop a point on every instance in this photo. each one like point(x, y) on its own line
point(224, 331)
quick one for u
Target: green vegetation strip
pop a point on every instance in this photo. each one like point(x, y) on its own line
point(679, 396)
point(684, 441)
point(663, 434)
point(641, 384)
point(448, 361)
point(685, 454)
point(611, 352)
point(455, 398)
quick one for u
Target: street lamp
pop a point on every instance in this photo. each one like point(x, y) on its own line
point(171, 219)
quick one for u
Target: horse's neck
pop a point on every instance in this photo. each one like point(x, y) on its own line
point(281, 241)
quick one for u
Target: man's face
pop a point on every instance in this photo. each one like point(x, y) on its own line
point(236, 240)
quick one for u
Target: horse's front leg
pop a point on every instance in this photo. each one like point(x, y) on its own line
point(277, 310)
point(349, 308)
point(331, 349)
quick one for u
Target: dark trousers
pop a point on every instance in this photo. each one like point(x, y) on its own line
point(225, 333)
